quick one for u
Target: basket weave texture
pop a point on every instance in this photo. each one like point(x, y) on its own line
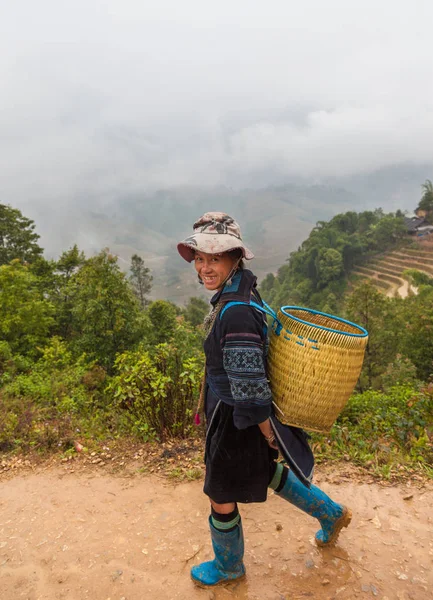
point(314, 362)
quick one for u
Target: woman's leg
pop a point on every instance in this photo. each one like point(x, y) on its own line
point(331, 516)
point(223, 509)
point(228, 545)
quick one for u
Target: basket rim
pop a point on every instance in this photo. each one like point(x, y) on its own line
point(318, 312)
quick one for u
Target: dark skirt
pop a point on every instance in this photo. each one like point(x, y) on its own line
point(239, 462)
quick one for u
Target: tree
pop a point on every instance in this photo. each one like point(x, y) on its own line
point(329, 266)
point(162, 315)
point(195, 311)
point(426, 202)
point(388, 231)
point(26, 317)
point(141, 279)
point(17, 236)
point(69, 263)
point(417, 326)
point(372, 310)
point(316, 273)
point(44, 271)
point(105, 314)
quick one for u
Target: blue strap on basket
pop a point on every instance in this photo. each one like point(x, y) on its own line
point(363, 331)
point(266, 309)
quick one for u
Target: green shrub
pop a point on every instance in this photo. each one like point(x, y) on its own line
point(26, 316)
point(156, 392)
point(45, 405)
point(24, 424)
point(383, 430)
point(401, 371)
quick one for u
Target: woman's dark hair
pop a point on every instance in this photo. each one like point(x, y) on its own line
point(236, 254)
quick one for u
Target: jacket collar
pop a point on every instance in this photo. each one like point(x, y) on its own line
point(243, 283)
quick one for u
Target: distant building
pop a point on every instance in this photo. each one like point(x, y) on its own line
point(424, 230)
point(413, 222)
point(416, 224)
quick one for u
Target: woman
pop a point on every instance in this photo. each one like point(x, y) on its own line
point(243, 435)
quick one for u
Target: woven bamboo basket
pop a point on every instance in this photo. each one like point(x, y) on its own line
point(314, 363)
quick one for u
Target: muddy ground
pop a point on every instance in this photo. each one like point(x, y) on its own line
point(130, 534)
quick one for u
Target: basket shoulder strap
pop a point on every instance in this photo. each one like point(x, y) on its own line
point(229, 304)
point(266, 309)
point(255, 305)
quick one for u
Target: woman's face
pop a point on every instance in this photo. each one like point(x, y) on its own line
point(213, 269)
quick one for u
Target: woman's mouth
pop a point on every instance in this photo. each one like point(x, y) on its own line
point(209, 279)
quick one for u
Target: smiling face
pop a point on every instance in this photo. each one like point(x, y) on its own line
point(213, 269)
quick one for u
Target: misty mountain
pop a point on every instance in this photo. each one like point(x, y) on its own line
point(274, 220)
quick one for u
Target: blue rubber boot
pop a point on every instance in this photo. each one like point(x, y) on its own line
point(332, 516)
point(227, 564)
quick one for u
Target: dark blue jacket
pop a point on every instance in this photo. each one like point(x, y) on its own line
point(236, 370)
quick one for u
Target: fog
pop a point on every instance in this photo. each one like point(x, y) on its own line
point(100, 98)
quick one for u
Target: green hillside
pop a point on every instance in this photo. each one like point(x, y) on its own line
point(317, 274)
point(86, 359)
point(388, 272)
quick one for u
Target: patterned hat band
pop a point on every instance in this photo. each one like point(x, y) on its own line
point(214, 233)
point(217, 223)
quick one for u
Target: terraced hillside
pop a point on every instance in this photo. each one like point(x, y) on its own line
point(385, 271)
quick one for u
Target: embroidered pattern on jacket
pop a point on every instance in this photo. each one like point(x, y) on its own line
point(251, 391)
point(244, 365)
point(243, 359)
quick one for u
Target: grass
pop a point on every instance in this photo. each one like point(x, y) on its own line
point(182, 474)
point(390, 433)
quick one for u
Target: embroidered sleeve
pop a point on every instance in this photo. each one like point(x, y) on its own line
point(244, 363)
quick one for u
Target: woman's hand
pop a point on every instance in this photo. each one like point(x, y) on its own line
point(272, 441)
point(268, 433)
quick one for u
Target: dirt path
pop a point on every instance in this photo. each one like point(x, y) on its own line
point(78, 536)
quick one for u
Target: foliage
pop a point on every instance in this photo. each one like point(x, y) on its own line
point(26, 316)
point(195, 311)
point(376, 313)
point(416, 318)
point(156, 391)
point(316, 274)
point(384, 431)
point(329, 265)
point(417, 278)
point(69, 263)
point(400, 372)
point(426, 202)
point(18, 239)
point(44, 271)
point(163, 320)
point(388, 231)
point(105, 315)
point(396, 327)
point(188, 340)
point(5, 359)
point(52, 401)
point(141, 279)
point(82, 355)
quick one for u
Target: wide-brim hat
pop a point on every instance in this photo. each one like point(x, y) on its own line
point(214, 233)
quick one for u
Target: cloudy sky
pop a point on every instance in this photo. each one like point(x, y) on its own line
point(98, 96)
